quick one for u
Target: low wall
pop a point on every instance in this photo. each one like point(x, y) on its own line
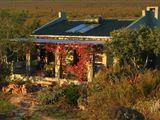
point(41, 80)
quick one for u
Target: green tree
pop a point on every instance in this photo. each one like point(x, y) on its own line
point(17, 24)
point(137, 48)
point(13, 25)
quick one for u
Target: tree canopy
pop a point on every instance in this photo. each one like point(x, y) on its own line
point(16, 24)
point(139, 48)
point(13, 25)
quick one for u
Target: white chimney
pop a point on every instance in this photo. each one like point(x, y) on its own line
point(62, 15)
point(155, 10)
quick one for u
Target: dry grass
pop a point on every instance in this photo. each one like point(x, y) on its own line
point(79, 8)
point(105, 94)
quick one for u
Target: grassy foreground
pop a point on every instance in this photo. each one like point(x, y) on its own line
point(108, 94)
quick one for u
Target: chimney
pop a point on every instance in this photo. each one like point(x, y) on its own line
point(155, 10)
point(143, 12)
point(62, 15)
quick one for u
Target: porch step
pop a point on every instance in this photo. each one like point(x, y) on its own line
point(41, 80)
point(45, 82)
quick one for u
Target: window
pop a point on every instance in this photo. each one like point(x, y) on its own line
point(71, 57)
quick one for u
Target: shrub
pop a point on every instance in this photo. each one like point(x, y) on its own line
point(34, 116)
point(149, 83)
point(5, 106)
point(50, 95)
point(72, 94)
point(5, 71)
point(45, 96)
point(109, 90)
point(138, 48)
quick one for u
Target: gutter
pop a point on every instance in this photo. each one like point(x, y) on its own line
point(67, 37)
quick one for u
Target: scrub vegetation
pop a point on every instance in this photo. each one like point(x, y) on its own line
point(132, 93)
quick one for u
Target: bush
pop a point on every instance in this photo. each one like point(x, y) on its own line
point(65, 103)
point(5, 106)
point(72, 94)
point(50, 95)
point(45, 96)
point(139, 48)
point(149, 83)
point(109, 90)
point(34, 116)
point(5, 71)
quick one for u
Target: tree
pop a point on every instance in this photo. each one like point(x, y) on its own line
point(14, 25)
point(137, 48)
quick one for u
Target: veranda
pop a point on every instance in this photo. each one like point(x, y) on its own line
point(58, 60)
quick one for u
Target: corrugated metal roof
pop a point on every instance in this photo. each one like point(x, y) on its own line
point(104, 29)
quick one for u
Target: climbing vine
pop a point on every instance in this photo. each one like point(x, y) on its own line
point(74, 58)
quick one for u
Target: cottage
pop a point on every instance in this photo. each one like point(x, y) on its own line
point(74, 49)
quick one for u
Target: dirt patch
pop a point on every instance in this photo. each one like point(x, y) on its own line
point(27, 106)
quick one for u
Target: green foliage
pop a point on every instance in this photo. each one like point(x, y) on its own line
point(138, 48)
point(34, 116)
point(4, 66)
point(5, 106)
point(35, 24)
point(15, 24)
point(5, 71)
point(58, 113)
point(44, 96)
point(149, 83)
point(72, 94)
point(10, 52)
point(12, 24)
